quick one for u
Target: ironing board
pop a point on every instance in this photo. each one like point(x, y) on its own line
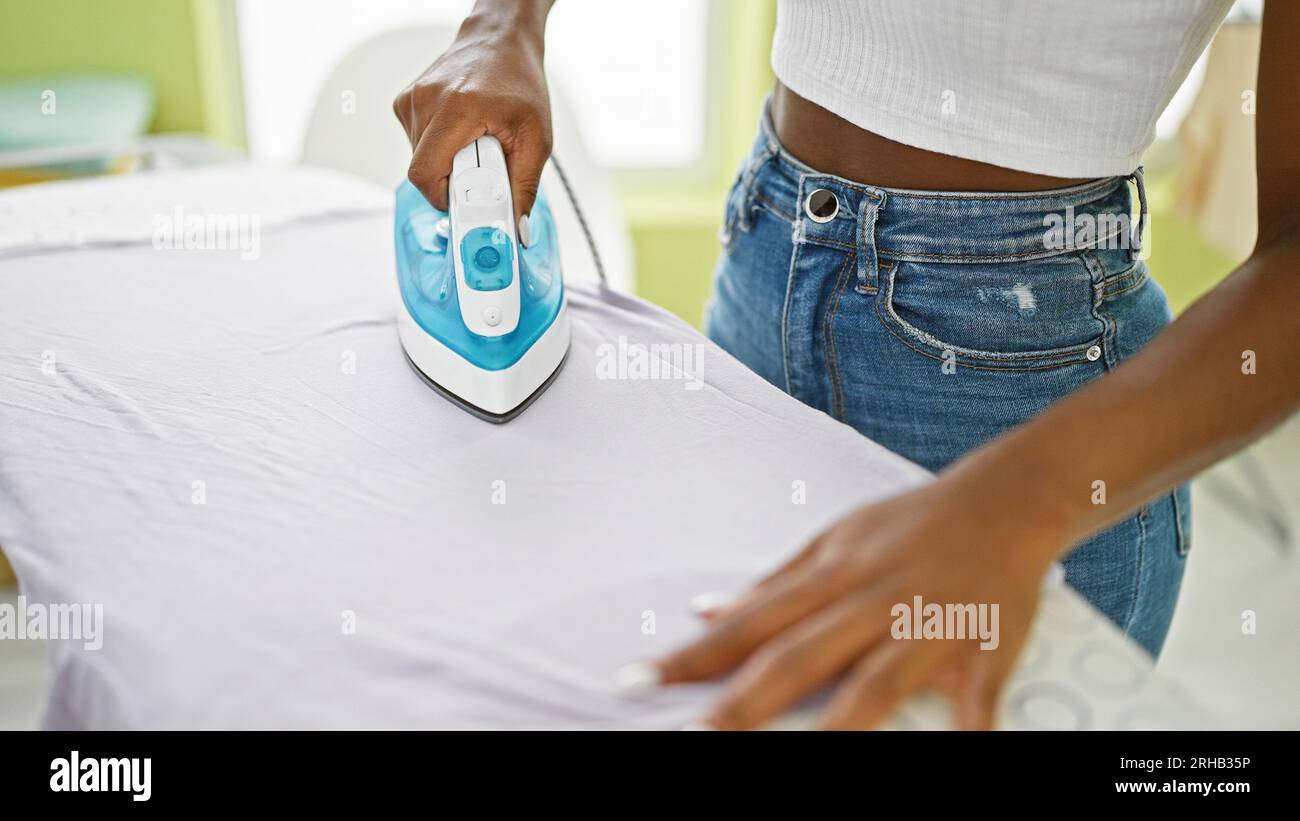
point(285, 528)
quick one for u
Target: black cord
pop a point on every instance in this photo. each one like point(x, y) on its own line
point(582, 221)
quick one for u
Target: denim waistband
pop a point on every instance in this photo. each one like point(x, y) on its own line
point(944, 226)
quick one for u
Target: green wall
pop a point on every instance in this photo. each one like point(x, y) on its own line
point(1181, 261)
point(675, 217)
point(675, 266)
point(186, 48)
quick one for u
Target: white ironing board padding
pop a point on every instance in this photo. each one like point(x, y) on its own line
point(495, 575)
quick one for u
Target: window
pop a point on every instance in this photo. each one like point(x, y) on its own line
point(635, 73)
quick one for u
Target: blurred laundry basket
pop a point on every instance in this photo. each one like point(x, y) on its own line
point(352, 128)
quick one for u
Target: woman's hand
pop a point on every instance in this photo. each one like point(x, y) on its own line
point(828, 614)
point(489, 82)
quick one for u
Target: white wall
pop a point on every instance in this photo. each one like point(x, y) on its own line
point(635, 72)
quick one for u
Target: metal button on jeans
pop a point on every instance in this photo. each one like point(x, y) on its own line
point(1094, 353)
point(821, 205)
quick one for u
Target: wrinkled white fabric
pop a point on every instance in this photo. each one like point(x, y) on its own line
point(330, 492)
point(364, 553)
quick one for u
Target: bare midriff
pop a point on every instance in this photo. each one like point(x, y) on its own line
point(831, 144)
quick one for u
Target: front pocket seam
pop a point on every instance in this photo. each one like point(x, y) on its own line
point(830, 243)
point(960, 364)
point(771, 206)
point(1024, 361)
point(1137, 282)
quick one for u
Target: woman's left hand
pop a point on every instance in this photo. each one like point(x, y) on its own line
point(828, 613)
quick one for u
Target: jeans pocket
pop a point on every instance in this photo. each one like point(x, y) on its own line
point(1017, 316)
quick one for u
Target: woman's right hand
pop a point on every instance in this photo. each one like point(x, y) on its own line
point(490, 81)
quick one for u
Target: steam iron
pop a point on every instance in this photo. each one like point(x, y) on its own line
point(484, 319)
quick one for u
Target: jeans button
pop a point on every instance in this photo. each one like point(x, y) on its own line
point(1094, 353)
point(821, 205)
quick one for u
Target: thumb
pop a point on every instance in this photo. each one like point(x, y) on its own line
point(526, 155)
point(975, 703)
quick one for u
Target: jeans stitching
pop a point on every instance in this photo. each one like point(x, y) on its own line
point(730, 215)
point(1142, 516)
point(831, 243)
point(828, 338)
point(912, 256)
point(1138, 280)
point(785, 312)
point(1049, 195)
point(773, 207)
point(1097, 274)
point(1010, 368)
point(883, 267)
point(751, 193)
point(758, 197)
point(1074, 355)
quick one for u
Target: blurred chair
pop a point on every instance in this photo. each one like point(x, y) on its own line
point(352, 128)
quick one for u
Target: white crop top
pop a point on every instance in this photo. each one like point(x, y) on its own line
point(1047, 86)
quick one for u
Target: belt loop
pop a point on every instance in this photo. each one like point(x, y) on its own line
point(1139, 180)
point(868, 262)
point(748, 177)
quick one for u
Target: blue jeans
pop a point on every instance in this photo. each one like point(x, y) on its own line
point(934, 321)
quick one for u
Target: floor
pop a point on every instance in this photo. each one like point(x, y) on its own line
point(1246, 514)
point(1244, 557)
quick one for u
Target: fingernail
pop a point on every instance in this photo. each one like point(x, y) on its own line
point(697, 726)
point(523, 230)
point(708, 602)
point(1055, 575)
point(640, 678)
